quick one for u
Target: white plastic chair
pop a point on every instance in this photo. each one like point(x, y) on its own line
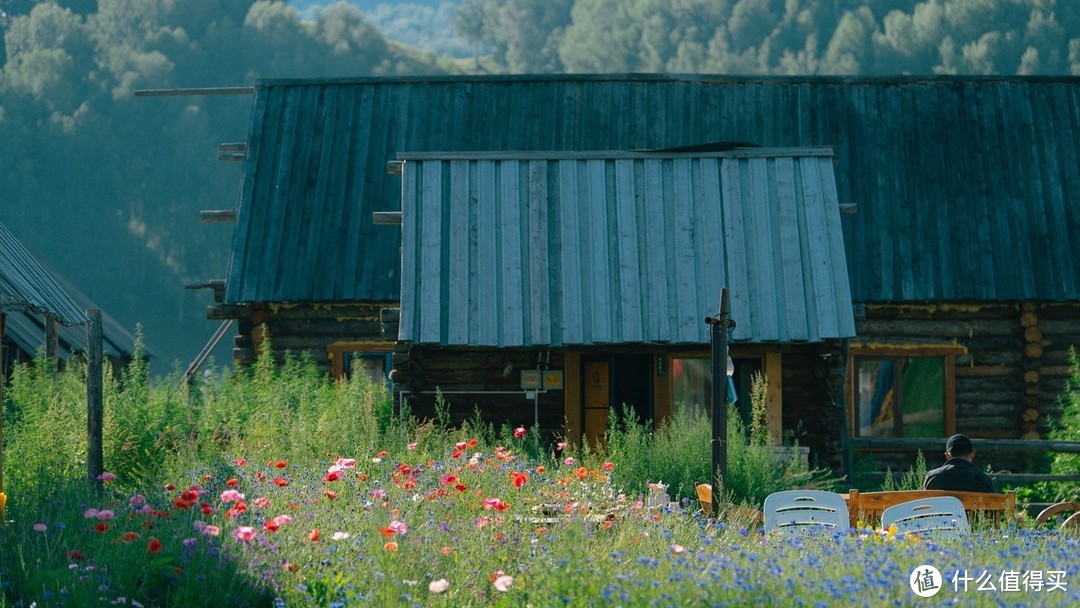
point(805, 512)
point(939, 516)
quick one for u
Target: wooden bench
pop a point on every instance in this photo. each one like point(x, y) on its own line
point(866, 507)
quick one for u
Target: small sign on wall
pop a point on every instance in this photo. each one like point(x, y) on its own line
point(553, 379)
point(531, 379)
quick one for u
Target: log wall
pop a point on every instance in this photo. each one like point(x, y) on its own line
point(1012, 374)
point(308, 327)
point(487, 381)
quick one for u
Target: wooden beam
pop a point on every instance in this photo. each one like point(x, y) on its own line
point(386, 218)
point(220, 312)
point(94, 398)
point(52, 344)
point(3, 326)
point(195, 91)
point(910, 444)
point(232, 147)
point(210, 216)
point(232, 157)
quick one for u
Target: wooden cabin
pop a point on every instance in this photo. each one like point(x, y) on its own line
point(961, 254)
point(43, 313)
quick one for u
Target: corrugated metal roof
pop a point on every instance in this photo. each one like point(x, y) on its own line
point(27, 330)
point(559, 249)
point(25, 283)
point(968, 188)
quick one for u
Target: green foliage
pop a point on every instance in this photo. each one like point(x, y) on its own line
point(679, 454)
point(912, 479)
point(1067, 428)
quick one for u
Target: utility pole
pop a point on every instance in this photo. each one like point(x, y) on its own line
point(719, 325)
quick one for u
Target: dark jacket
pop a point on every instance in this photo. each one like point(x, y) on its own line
point(960, 475)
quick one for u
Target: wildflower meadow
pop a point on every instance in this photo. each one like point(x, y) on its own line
point(280, 487)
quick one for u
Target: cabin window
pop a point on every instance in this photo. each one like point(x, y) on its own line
point(370, 358)
point(902, 393)
point(691, 383)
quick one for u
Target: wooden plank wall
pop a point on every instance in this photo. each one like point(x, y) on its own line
point(423, 370)
point(813, 413)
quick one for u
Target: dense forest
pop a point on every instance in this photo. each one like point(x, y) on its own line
point(105, 186)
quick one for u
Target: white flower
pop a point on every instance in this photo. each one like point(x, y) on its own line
point(340, 535)
point(438, 586)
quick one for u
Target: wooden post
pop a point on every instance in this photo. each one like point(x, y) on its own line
point(94, 397)
point(719, 326)
point(52, 344)
point(3, 379)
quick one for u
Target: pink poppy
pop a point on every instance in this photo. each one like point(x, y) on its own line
point(105, 514)
point(346, 463)
point(504, 583)
point(40, 527)
point(231, 496)
point(90, 513)
point(519, 432)
point(438, 586)
point(399, 527)
point(244, 533)
point(262, 502)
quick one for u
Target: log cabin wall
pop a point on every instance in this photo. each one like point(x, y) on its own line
point(484, 380)
point(1009, 374)
point(314, 328)
point(813, 401)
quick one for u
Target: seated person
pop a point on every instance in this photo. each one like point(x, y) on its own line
point(958, 473)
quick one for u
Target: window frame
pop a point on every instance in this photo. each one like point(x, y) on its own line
point(336, 352)
point(948, 352)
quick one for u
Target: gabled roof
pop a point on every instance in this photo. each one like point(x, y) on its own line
point(967, 188)
point(24, 283)
point(512, 249)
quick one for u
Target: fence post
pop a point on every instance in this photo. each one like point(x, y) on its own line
point(94, 397)
point(719, 326)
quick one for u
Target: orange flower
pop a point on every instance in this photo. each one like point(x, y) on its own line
point(314, 535)
point(154, 546)
point(540, 469)
point(390, 546)
point(232, 482)
point(281, 464)
point(281, 481)
point(331, 494)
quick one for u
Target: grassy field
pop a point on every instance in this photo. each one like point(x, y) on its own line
point(280, 487)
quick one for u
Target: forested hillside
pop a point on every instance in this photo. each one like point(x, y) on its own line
point(106, 187)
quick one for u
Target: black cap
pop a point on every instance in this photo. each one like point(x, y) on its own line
point(959, 443)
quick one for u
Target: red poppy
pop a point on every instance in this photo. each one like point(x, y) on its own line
point(232, 482)
point(457, 454)
point(260, 477)
point(237, 508)
point(281, 464)
point(461, 487)
point(170, 487)
point(331, 494)
point(332, 476)
point(130, 537)
point(240, 462)
point(281, 481)
point(448, 479)
point(472, 443)
point(519, 479)
point(382, 454)
point(386, 531)
point(207, 509)
point(207, 478)
point(180, 504)
point(154, 546)
point(271, 525)
point(314, 536)
point(101, 526)
point(363, 476)
point(73, 554)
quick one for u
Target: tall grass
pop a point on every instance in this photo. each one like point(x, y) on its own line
point(493, 517)
point(680, 454)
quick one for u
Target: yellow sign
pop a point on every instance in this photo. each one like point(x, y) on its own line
point(553, 379)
